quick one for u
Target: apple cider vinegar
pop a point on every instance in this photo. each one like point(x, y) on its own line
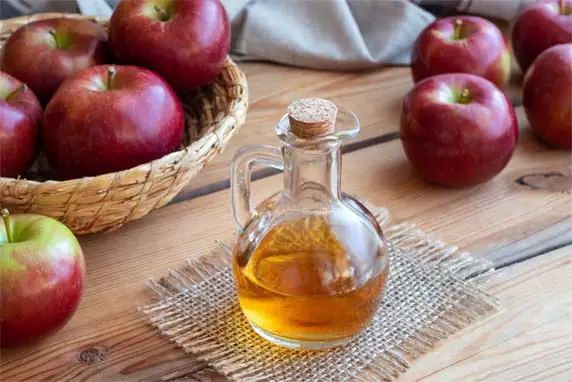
point(310, 263)
point(300, 283)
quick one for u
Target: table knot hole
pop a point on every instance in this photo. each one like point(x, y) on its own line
point(92, 355)
point(549, 181)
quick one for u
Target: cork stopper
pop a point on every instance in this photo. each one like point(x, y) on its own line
point(312, 117)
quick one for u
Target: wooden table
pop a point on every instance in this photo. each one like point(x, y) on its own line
point(521, 220)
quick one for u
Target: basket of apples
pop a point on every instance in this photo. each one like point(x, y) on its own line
point(102, 121)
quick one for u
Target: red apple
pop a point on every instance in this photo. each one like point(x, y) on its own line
point(547, 96)
point(458, 129)
point(42, 275)
point(20, 115)
point(111, 118)
point(539, 27)
point(186, 42)
point(44, 53)
point(463, 44)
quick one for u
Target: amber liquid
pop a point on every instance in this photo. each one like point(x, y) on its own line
point(300, 284)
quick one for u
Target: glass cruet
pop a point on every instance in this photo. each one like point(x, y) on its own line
point(310, 262)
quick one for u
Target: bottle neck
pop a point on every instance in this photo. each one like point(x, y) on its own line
point(312, 175)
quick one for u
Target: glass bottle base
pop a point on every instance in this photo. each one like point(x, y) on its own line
point(298, 344)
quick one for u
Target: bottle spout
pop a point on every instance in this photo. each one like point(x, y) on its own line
point(314, 120)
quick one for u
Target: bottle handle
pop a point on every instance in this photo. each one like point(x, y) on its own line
point(244, 159)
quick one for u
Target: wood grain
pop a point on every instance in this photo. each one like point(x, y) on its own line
point(108, 339)
point(545, 239)
point(530, 339)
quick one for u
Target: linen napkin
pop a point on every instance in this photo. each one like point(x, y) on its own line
point(323, 34)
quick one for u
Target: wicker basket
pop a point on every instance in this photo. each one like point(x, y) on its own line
point(106, 202)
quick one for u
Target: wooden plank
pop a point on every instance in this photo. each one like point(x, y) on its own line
point(555, 236)
point(109, 340)
point(529, 339)
point(375, 96)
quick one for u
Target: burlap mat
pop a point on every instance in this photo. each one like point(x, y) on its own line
point(432, 293)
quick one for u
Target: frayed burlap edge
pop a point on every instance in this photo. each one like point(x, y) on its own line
point(470, 271)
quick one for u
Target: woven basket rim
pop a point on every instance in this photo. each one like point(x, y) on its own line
point(168, 158)
point(48, 15)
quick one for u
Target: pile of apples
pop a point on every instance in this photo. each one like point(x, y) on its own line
point(109, 104)
point(99, 118)
point(457, 126)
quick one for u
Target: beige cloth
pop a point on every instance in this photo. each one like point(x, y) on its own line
point(329, 34)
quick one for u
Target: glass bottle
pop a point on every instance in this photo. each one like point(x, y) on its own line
point(310, 263)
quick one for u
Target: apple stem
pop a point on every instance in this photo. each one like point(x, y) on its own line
point(458, 26)
point(464, 97)
point(21, 89)
point(163, 15)
point(6, 217)
point(55, 37)
point(110, 77)
point(563, 7)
